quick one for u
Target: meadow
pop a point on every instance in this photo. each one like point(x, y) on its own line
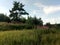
point(11, 35)
point(30, 37)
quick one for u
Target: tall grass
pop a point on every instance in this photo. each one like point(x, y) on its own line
point(11, 26)
point(30, 37)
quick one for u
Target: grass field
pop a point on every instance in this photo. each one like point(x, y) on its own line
point(30, 37)
point(26, 36)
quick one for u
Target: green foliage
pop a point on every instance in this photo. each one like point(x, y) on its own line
point(57, 26)
point(28, 26)
point(4, 18)
point(34, 21)
point(40, 22)
point(11, 26)
point(23, 20)
point(29, 20)
point(48, 24)
point(17, 11)
point(30, 37)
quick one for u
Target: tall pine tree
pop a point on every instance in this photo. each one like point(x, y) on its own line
point(17, 11)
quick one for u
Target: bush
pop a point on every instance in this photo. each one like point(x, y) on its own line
point(15, 27)
point(29, 26)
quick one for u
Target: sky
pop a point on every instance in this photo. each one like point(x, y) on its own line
point(47, 10)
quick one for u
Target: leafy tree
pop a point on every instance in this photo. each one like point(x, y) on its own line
point(40, 22)
point(37, 21)
point(34, 21)
point(4, 18)
point(17, 11)
point(48, 24)
point(30, 20)
point(23, 20)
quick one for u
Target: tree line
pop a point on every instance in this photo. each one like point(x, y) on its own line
point(15, 15)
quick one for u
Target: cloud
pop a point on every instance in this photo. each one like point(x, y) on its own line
point(51, 9)
point(39, 5)
point(52, 20)
point(33, 12)
point(48, 9)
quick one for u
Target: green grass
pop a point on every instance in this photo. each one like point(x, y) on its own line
point(17, 37)
point(30, 37)
point(27, 37)
point(4, 26)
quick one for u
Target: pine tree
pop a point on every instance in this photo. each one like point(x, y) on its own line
point(17, 11)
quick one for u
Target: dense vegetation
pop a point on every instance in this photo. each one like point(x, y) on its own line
point(15, 16)
point(30, 37)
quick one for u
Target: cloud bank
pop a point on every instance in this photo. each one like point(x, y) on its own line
point(48, 9)
point(52, 20)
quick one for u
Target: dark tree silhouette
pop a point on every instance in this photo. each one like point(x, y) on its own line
point(29, 20)
point(23, 20)
point(34, 21)
point(37, 22)
point(17, 11)
point(40, 22)
point(48, 24)
point(4, 18)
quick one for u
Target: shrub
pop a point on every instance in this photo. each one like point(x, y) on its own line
point(15, 27)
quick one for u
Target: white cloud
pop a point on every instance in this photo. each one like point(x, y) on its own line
point(52, 20)
point(48, 9)
point(51, 9)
